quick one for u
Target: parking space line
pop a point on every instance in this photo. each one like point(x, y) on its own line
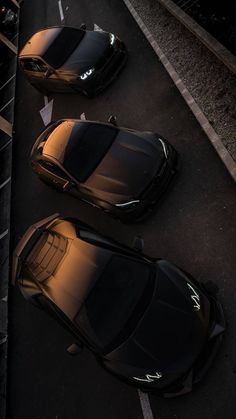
point(8, 81)
point(83, 117)
point(61, 10)
point(3, 234)
point(145, 405)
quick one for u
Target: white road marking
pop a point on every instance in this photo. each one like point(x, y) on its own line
point(5, 299)
point(145, 405)
point(45, 100)
point(46, 113)
point(97, 28)
point(83, 116)
point(61, 10)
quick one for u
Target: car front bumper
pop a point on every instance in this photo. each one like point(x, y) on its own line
point(112, 64)
point(201, 365)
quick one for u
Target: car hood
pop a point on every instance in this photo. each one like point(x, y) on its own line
point(91, 49)
point(172, 331)
point(128, 167)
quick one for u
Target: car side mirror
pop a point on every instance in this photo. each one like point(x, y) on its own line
point(112, 120)
point(48, 73)
point(83, 26)
point(138, 244)
point(75, 348)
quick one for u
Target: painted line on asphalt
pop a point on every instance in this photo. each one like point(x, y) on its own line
point(192, 104)
point(45, 100)
point(83, 117)
point(3, 234)
point(145, 405)
point(61, 11)
point(46, 111)
point(5, 183)
point(97, 28)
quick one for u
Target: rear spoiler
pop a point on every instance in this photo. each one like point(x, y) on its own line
point(27, 242)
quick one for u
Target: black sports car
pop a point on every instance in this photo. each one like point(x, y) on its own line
point(122, 171)
point(146, 320)
point(63, 58)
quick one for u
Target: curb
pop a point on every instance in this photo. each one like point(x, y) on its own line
point(199, 115)
point(222, 53)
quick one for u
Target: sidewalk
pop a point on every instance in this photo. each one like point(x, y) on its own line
point(207, 85)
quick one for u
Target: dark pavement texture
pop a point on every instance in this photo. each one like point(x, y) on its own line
point(194, 227)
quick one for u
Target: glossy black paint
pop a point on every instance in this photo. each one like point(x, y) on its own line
point(100, 53)
point(127, 182)
point(174, 330)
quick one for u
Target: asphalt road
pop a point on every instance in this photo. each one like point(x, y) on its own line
point(194, 227)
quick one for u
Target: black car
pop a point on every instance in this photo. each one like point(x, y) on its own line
point(120, 170)
point(63, 58)
point(146, 320)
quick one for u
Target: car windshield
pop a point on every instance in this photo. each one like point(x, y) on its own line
point(116, 302)
point(63, 46)
point(87, 145)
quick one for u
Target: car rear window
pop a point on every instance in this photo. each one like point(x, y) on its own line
point(86, 147)
point(112, 303)
point(63, 46)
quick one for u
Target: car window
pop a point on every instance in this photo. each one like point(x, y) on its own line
point(63, 46)
point(34, 64)
point(111, 307)
point(54, 169)
point(87, 145)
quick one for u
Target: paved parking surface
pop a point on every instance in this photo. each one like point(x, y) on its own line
point(194, 227)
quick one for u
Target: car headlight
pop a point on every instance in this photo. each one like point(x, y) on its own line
point(129, 204)
point(87, 73)
point(112, 38)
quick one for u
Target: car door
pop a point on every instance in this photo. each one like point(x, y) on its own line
point(41, 76)
point(53, 175)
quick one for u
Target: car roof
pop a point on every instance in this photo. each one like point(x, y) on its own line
point(38, 44)
point(79, 145)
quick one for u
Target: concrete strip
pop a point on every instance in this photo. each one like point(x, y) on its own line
point(5, 126)
point(201, 118)
point(207, 39)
